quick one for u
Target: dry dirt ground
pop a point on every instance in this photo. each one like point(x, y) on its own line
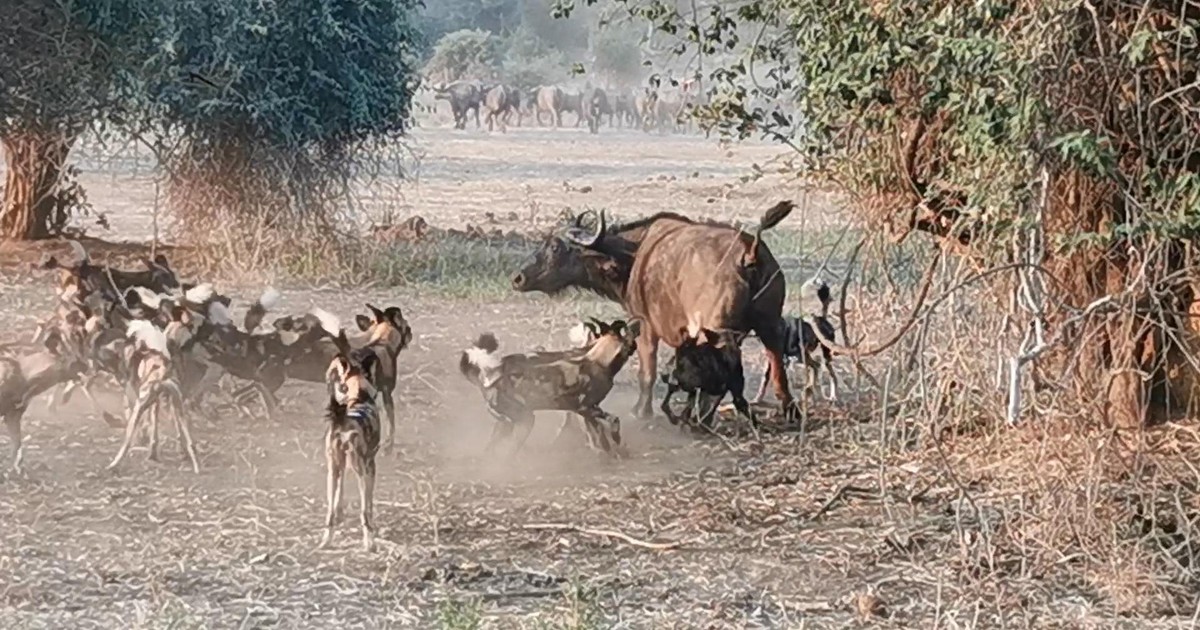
point(798, 528)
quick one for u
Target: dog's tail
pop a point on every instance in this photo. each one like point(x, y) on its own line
point(254, 317)
point(154, 339)
point(478, 362)
point(333, 328)
point(200, 294)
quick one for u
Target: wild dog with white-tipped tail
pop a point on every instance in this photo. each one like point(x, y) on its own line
point(517, 385)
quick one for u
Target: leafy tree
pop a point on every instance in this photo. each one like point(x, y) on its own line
point(464, 54)
point(58, 76)
point(1056, 137)
point(439, 17)
point(265, 109)
point(617, 51)
point(530, 62)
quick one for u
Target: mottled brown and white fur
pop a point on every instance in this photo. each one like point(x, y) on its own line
point(517, 385)
point(24, 377)
point(156, 386)
point(352, 437)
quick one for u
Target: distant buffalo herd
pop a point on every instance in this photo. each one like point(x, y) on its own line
point(500, 105)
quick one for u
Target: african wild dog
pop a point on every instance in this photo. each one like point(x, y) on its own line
point(708, 363)
point(517, 385)
point(352, 432)
point(801, 341)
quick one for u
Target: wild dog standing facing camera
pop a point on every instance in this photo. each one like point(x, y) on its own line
point(352, 437)
point(708, 363)
point(517, 385)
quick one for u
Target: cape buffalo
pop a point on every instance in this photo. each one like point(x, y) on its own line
point(623, 109)
point(595, 105)
point(463, 97)
point(573, 102)
point(549, 100)
point(672, 272)
point(498, 103)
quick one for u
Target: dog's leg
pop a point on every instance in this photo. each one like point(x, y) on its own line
point(567, 421)
point(335, 469)
point(152, 455)
point(270, 403)
point(833, 381)
point(610, 432)
point(766, 380)
point(131, 425)
point(501, 430)
point(389, 406)
point(523, 427)
point(666, 405)
point(812, 384)
point(12, 422)
point(185, 434)
point(366, 498)
point(55, 399)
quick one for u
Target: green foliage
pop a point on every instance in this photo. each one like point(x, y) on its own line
point(453, 614)
point(439, 17)
point(530, 62)
point(464, 54)
point(618, 53)
point(301, 74)
point(60, 60)
point(1002, 87)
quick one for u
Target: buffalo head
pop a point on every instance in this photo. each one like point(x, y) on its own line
point(568, 260)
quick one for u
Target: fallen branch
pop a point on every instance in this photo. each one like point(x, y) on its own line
point(607, 533)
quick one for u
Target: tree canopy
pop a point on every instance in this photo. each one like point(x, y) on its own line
point(291, 77)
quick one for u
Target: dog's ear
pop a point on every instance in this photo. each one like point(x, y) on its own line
point(284, 324)
point(376, 313)
point(161, 261)
point(363, 322)
point(50, 263)
point(338, 368)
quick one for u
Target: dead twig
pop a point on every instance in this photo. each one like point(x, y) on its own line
point(607, 533)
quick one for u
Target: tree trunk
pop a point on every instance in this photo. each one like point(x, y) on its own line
point(34, 162)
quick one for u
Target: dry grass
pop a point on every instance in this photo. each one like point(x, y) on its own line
point(908, 504)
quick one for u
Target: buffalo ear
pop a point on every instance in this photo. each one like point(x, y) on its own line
point(363, 322)
point(283, 324)
point(376, 313)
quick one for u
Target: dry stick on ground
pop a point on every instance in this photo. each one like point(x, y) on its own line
point(607, 533)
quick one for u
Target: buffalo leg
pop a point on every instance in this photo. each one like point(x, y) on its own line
point(772, 341)
point(647, 348)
